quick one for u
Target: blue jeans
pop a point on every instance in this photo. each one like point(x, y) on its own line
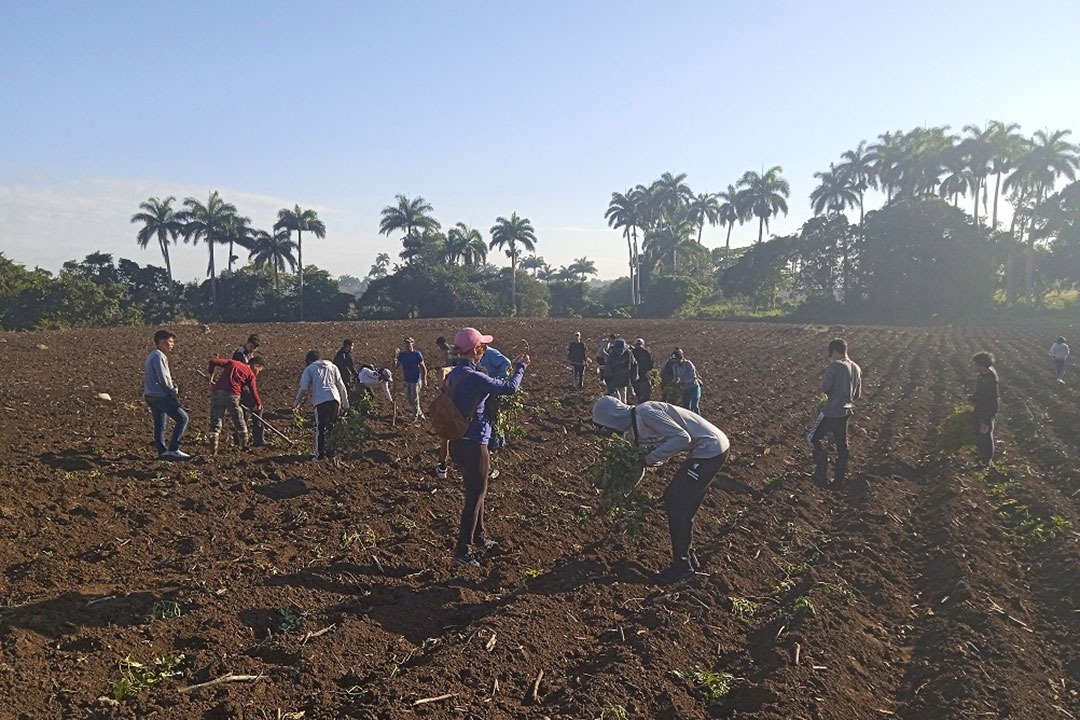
point(691, 398)
point(160, 408)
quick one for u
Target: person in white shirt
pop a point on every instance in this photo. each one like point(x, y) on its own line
point(668, 430)
point(328, 394)
point(371, 379)
point(1060, 352)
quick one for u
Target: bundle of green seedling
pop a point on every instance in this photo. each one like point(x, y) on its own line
point(671, 393)
point(349, 436)
point(957, 431)
point(508, 423)
point(617, 475)
point(363, 402)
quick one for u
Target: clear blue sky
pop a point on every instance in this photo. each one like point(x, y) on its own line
point(484, 108)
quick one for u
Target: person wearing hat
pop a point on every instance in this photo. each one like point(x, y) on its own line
point(370, 379)
point(644, 358)
point(668, 430)
point(413, 372)
point(471, 389)
point(620, 370)
point(689, 383)
point(577, 355)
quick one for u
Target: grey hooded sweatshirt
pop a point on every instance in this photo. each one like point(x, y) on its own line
point(667, 429)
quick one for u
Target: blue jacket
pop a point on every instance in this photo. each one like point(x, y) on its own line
point(472, 386)
point(495, 364)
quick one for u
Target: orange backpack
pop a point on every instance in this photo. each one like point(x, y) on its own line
point(446, 419)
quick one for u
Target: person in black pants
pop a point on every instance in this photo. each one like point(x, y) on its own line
point(642, 387)
point(576, 353)
point(344, 361)
point(986, 407)
point(842, 384)
point(329, 396)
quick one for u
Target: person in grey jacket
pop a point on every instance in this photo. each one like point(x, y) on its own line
point(329, 396)
point(668, 430)
point(163, 398)
point(842, 383)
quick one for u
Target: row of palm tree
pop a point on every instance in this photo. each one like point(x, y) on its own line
point(414, 219)
point(217, 222)
point(578, 271)
point(933, 161)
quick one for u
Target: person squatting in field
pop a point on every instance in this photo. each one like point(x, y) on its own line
point(1060, 352)
point(413, 372)
point(842, 383)
point(253, 418)
point(688, 381)
point(328, 394)
point(163, 397)
point(668, 430)
point(578, 357)
point(371, 379)
point(235, 379)
point(985, 400)
point(620, 370)
point(470, 390)
point(644, 358)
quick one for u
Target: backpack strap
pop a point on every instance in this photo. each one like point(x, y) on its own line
point(452, 386)
point(633, 424)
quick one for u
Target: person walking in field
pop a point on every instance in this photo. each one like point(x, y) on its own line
point(234, 380)
point(163, 397)
point(668, 430)
point(252, 417)
point(344, 362)
point(577, 355)
point(328, 394)
point(413, 372)
point(470, 389)
point(1060, 352)
point(620, 370)
point(986, 407)
point(644, 359)
point(687, 379)
point(842, 383)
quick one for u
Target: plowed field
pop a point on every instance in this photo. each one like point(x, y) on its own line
point(922, 588)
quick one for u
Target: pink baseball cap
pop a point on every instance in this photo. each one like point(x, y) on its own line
point(468, 338)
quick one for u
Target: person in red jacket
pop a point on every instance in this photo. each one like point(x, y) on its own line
point(235, 377)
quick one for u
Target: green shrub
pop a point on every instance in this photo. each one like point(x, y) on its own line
point(957, 431)
point(349, 435)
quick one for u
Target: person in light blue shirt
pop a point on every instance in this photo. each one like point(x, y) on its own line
point(495, 364)
point(163, 398)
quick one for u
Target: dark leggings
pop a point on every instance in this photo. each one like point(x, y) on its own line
point(838, 428)
point(683, 497)
point(474, 462)
point(326, 414)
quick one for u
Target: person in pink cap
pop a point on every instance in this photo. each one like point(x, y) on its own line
point(471, 389)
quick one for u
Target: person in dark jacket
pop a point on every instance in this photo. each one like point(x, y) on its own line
point(344, 361)
point(577, 354)
point(644, 359)
point(620, 369)
point(245, 352)
point(252, 417)
point(842, 384)
point(471, 390)
point(986, 406)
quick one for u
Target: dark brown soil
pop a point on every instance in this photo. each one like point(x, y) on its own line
point(927, 599)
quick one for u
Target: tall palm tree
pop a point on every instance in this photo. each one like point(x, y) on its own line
point(206, 223)
point(513, 235)
point(462, 241)
point(623, 211)
point(1007, 146)
point(887, 156)
point(412, 217)
point(1049, 157)
point(766, 195)
point(380, 267)
point(858, 166)
point(733, 209)
point(835, 193)
point(671, 192)
point(238, 231)
point(274, 250)
point(159, 220)
point(978, 149)
point(958, 179)
point(547, 274)
point(299, 219)
point(583, 267)
point(534, 263)
point(704, 208)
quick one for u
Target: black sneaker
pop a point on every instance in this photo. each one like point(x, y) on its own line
point(695, 564)
point(673, 573)
point(465, 560)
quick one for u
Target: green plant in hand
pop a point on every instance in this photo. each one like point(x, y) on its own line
point(957, 431)
point(616, 475)
point(349, 435)
point(508, 423)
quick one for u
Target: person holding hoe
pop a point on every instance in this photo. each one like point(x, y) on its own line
point(459, 414)
point(668, 430)
point(252, 417)
point(235, 380)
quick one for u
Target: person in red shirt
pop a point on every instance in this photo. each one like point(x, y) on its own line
point(235, 377)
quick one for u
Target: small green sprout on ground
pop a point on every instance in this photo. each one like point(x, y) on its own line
point(165, 610)
point(363, 535)
point(803, 607)
point(713, 686)
point(403, 524)
point(532, 572)
point(743, 609)
point(613, 712)
point(136, 677)
point(957, 431)
point(289, 620)
point(783, 587)
point(839, 589)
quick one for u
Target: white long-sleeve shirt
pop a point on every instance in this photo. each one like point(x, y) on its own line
point(324, 380)
point(370, 379)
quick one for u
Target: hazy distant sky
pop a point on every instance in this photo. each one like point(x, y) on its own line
point(484, 108)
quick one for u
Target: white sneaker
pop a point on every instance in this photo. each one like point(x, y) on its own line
point(176, 455)
point(440, 471)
